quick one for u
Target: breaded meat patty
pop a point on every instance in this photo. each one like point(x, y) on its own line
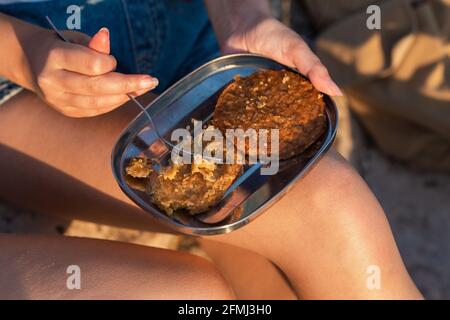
point(272, 99)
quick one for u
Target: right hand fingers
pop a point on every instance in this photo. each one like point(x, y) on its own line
point(78, 106)
point(76, 37)
point(80, 59)
point(108, 84)
point(99, 43)
point(96, 102)
point(92, 102)
point(78, 81)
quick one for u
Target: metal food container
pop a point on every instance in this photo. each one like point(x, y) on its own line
point(195, 96)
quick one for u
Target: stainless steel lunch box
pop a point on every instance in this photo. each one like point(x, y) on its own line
point(195, 96)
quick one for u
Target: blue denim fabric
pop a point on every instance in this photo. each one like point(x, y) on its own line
point(166, 39)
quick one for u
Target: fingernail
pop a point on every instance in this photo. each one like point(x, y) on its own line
point(148, 82)
point(334, 89)
point(104, 29)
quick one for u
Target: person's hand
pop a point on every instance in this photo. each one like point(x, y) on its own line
point(78, 78)
point(269, 37)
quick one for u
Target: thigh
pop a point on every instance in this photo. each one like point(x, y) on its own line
point(329, 234)
point(59, 165)
point(43, 267)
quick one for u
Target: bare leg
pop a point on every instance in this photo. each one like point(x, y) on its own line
point(35, 267)
point(54, 164)
point(250, 275)
point(324, 234)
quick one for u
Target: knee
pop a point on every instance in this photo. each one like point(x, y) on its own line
point(339, 196)
point(332, 199)
point(332, 195)
point(333, 173)
point(334, 183)
point(202, 280)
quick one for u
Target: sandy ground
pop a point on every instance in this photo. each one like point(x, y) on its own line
point(417, 205)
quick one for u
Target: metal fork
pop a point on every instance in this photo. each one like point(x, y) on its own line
point(156, 163)
point(136, 102)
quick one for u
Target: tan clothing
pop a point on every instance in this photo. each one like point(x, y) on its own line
point(397, 78)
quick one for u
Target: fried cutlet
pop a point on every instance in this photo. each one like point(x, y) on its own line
point(272, 99)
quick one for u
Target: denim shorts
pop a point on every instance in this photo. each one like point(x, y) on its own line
point(166, 39)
